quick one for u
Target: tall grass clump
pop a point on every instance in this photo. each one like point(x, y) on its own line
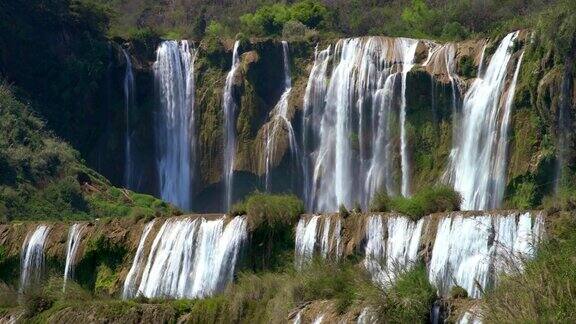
point(427, 201)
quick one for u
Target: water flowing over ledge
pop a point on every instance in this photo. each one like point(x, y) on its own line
point(468, 249)
point(32, 257)
point(189, 258)
point(175, 132)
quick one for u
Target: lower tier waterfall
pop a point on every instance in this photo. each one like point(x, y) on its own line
point(32, 257)
point(188, 258)
point(72, 244)
point(459, 248)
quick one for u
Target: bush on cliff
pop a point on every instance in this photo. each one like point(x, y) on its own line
point(272, 218)
point(427, 201)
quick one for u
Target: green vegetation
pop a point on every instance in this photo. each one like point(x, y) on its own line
point(545, 292)
point(409, 300)
point(272, 218)
point(427, 201)
point(44, 178)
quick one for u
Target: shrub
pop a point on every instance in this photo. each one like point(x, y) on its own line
point(272, 209)
point(294, 29)
point(344, 213)
point(380, 202)
point(409, 299)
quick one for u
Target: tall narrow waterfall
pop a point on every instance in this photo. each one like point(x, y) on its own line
point(74, 237)
point(471, 251)
point(392, 245)
point(407, 48)
point(350, 118)
point(229, 107)
point(175, 124)
point(317, 235)
point(279, 121)
point(190, 258)
point(128, 290)
point(313, 97)
point(32, 257)
point(130, 179)
point(480, 158)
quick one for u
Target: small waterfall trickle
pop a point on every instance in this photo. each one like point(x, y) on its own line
point(480, 158)
point(350, 118)
point(317, 235)
point(391, 248)
point(128, 290)
point(472, 251)
point(175, 121)
point(229, 107)
point(318, 319)
point(130, 181)
point(32, 257)
point(279, 122)
point(74, 238)
point(192, 258)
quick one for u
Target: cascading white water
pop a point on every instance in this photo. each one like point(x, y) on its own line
point(32, 257)
point(391, 249)
point(471, 251)
point(74, 238)
point(130, 181)
point(313, 97)
point(129, 290)
point(352, 153)
point(320, 235)
point(229, 107)
point(318, 319)
point(175, 122)
point(480, 159)
point(192, 258)
point(366, 317)
point(279, 121)
point(407, 51)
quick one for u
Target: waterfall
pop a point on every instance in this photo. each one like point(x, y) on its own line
point(318, 319)
point(480, 159)
point(407, 51)
point(350, 118)
point(229, 107)
point(130, 181)
point(128, 290)
point(176, 125)
point(313, 97)
point(391, 249)
point(472, 251)
point(366, 317)
point(192, 258)
point(320, 235)
point(279, 121)
point(74, 238)
point(32, 257)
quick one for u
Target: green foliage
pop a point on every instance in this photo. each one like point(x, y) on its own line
point(422, 19)
point(106, 280)
point(215, 29)
point(544, 292)
point(344, 213)
point(427, 201)
point(273, 209)
point(458, 292)
point(409, 299)
point(269, 20)
point(467, 68)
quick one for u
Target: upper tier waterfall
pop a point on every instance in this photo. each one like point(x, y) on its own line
point(350, 122)
point(32, 257)
point(229, 107)
point(175, 121)
point(188, 258)
point(279, 122)
point(130, 174)
point(480, 153)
